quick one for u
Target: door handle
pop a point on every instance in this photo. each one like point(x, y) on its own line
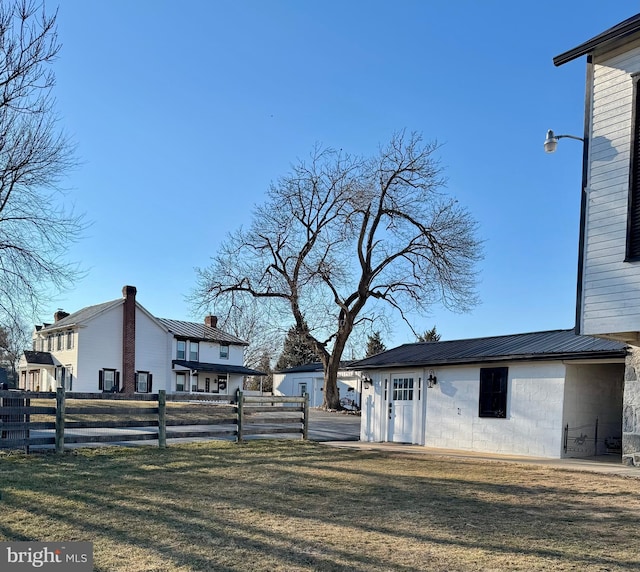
point(390, 409)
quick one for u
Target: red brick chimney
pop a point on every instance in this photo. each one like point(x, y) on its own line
point(129, 339)
point(59, 315)
point(211, 321)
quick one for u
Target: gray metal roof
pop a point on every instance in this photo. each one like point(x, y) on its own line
point(551, 345)
point(81, 316)
point(216, 367)
point(196, 331)
point(311, 367)
point(191, 330)
point(307, 367)
point(617, 32)
point(41, 358)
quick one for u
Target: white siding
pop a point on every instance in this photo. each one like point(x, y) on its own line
point(349, 385)
point(533, 425)
point(152, 349)
point(610, 286)
point(289, 384)
point(99, 347)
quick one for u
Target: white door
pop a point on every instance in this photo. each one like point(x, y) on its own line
point(401, 409)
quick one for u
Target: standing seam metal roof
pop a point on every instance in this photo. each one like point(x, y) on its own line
point(81, 315)
point(41, 358)
point(192, 330)
point(196, 331)
point(556, 344)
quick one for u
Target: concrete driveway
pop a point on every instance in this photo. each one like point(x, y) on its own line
point(330, 426)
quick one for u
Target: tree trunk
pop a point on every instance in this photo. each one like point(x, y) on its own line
point(331, 398)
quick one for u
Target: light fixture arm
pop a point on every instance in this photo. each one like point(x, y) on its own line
point(551, 142)
point(570, 137)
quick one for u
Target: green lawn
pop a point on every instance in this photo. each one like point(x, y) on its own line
point(291, 505)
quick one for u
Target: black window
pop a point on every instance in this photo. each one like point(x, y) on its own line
point(108, 380)
point(633, 218)
point(493, 391)
point(143, 382)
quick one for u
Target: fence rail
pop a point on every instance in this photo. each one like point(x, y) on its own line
point(74, 418)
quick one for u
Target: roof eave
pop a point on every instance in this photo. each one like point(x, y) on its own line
point(622, 30)
point(567, 356)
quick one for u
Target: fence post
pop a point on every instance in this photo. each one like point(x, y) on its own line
point(60, 407)
point(305, 420)
point(162, 418)
point(240, 400)
point(27, 420)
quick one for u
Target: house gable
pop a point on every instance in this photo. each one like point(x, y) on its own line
point(120, 346)
point(608, 293)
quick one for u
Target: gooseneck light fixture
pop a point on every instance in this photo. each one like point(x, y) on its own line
point(551, 142)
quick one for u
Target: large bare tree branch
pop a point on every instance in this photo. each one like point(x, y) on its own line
point(339, 233)
point(34, 157)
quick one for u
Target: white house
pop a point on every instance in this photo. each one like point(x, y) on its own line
point(608, 301)
point(544, 394)
point(118, 346)
point(309, 379)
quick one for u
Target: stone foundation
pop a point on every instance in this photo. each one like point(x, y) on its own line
point(631, 409)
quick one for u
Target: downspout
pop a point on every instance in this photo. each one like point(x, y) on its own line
point(584, 197)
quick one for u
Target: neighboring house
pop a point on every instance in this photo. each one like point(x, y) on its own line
point(309, 379)
point(118, 346)
point(508, 394)
point(608, 301)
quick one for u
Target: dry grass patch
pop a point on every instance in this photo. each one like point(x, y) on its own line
point(290, 505)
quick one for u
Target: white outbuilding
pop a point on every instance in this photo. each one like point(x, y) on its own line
point(545, 394)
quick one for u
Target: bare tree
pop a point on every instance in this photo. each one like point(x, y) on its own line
point(15, 337)
point(246, 323)
point(35, 231)
point(340, 235)
point(263, 383)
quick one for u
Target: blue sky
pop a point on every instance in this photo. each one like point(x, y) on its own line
point(184, 112)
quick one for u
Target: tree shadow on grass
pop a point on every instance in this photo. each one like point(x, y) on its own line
point(138, 496)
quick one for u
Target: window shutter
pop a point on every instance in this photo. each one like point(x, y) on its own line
point(116, 387)
point(633, 222)
point(136, 382)
point(100, 383)
point(149, 378)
